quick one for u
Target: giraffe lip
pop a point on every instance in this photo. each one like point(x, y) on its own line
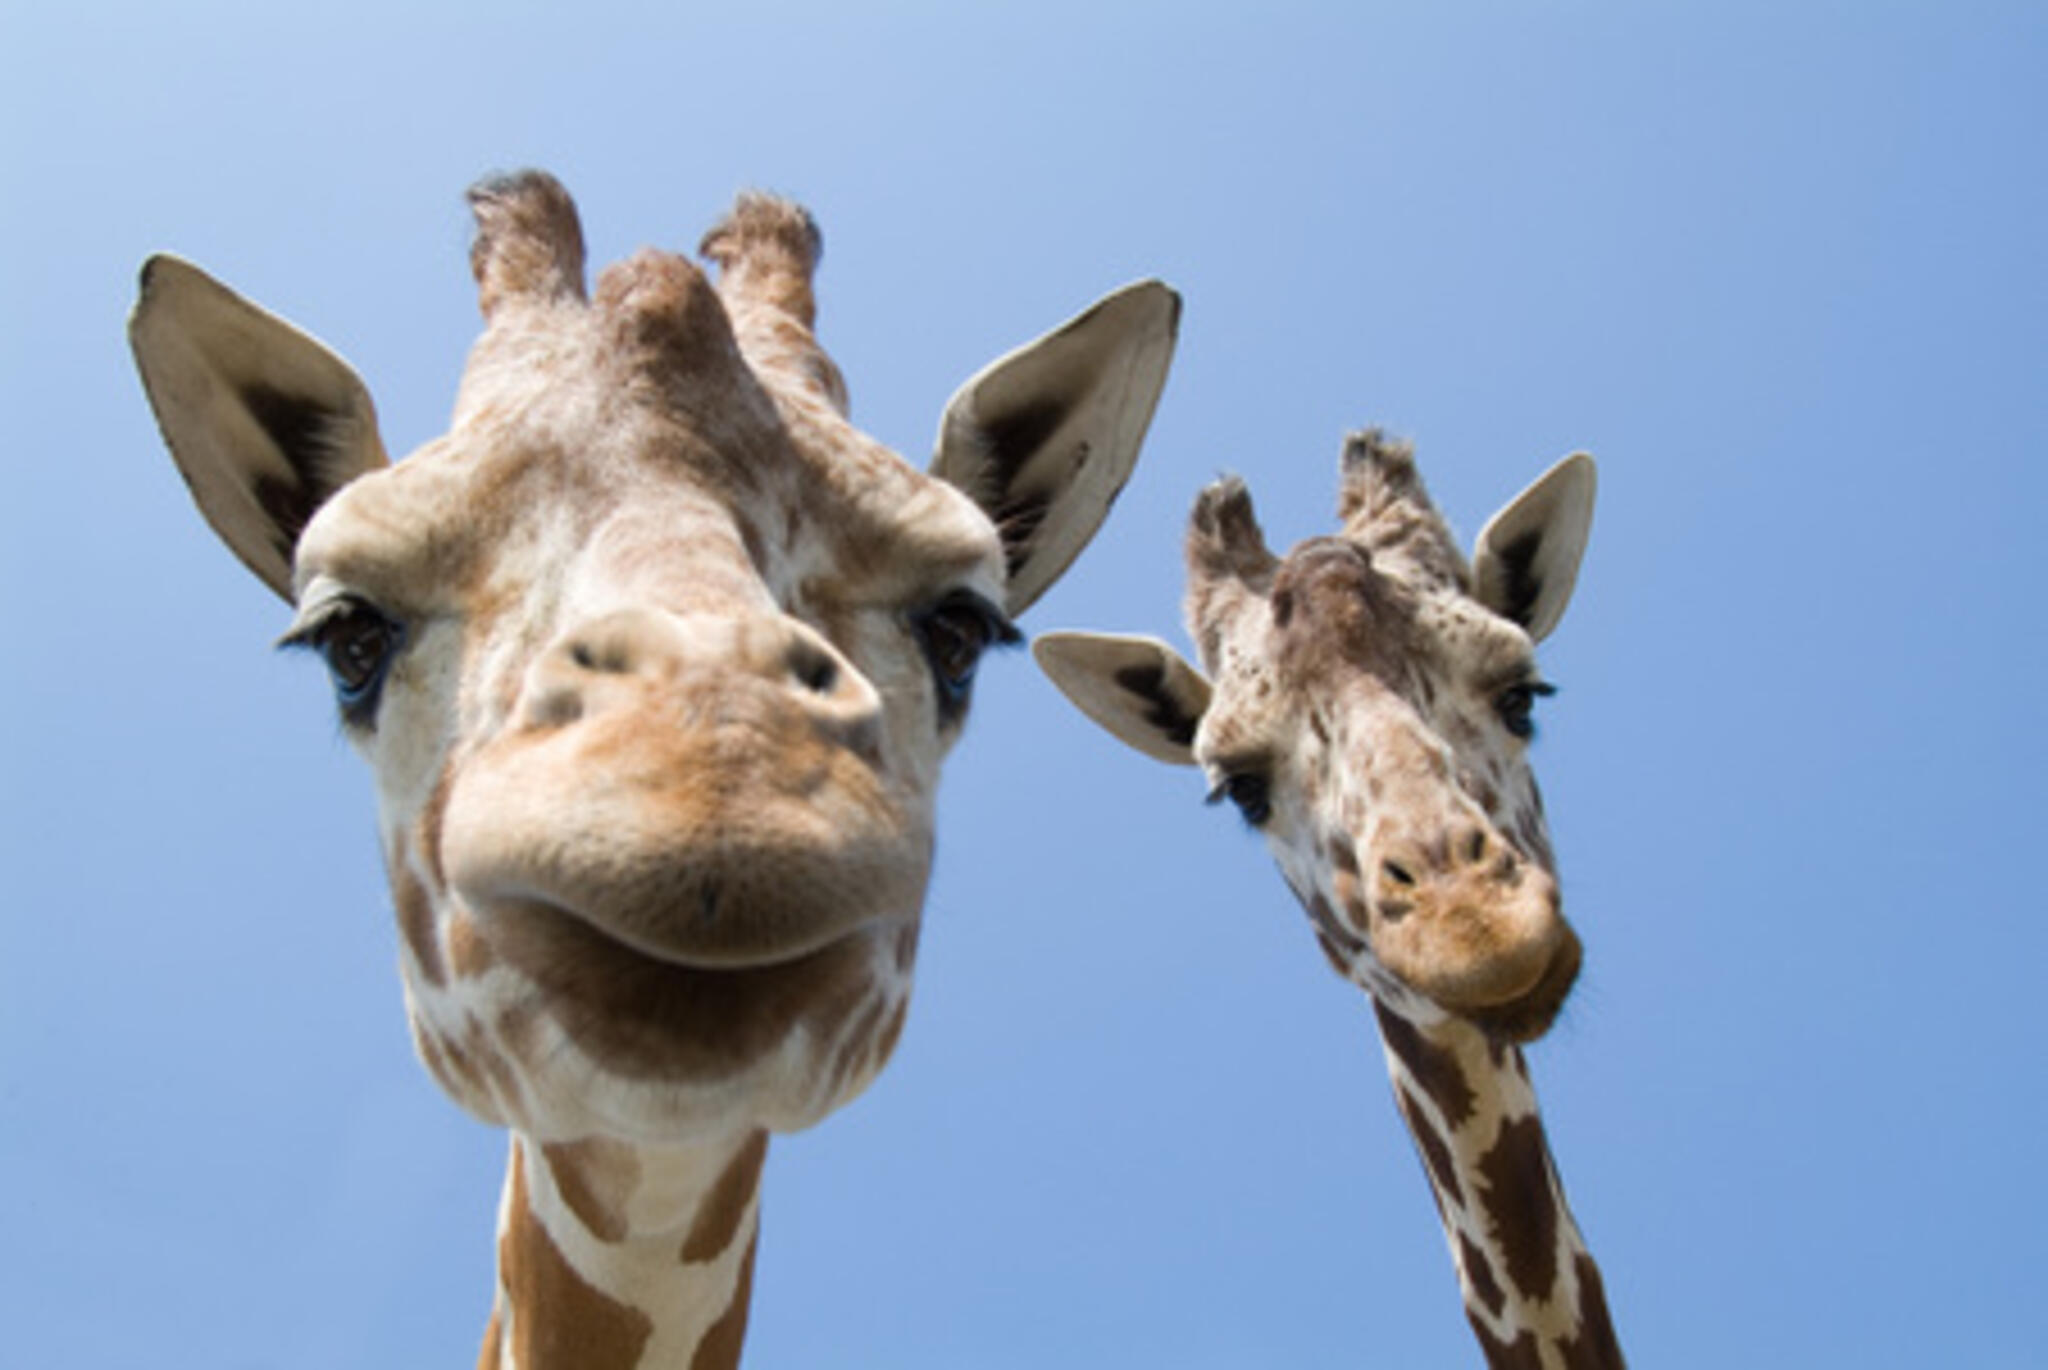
point(531, 916)
point(1530, 1014)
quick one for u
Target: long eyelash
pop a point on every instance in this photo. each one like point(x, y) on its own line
point(300, 637)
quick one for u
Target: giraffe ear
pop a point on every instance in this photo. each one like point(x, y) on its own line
point(1043, 439)
point(1137, 688)
point(1528, 555)
point(264, 422)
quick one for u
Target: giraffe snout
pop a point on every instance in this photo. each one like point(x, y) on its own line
point(702, 790)
point(715, 669)
point(1466, 919)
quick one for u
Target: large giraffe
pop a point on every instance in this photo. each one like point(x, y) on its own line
point(654, 658)
point(1367, 708)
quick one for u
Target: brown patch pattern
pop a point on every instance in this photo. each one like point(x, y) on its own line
point(1333, 933)
point(720, 1349)
point(595, 1177)
point(725, 1204)
point(1436, 1154)
point(416, 921)
point(1434, 1068)
point(1522, 1206)
point(1479, 1275)
point(1595, 1347)
point(558, 1317)
point(430, 820)
point(469, 955)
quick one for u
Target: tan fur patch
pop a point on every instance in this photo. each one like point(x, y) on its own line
point(488, 1357)
point(559, 1318)
point(469, 955)
point(725, 1206)
point(720, 1349)
point(595, 1178)
point(416, 921)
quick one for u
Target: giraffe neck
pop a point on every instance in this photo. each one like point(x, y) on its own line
point(617, 1257)
point(1532, 1291)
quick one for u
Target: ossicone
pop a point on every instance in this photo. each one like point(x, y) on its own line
point(529, 242)
point(1224, 538)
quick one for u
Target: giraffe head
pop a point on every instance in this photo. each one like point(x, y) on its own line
point(653, 655)
point(1365, 702)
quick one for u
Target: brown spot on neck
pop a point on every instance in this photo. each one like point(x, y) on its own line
point(595, 1178)
point(559, 1320)
point(1435, 1068)
point(720, 1349)
point(1436, 1154)
point(1594, 1347)
point(725, 1204)
point(1479, 1276)
point(1521, 1203)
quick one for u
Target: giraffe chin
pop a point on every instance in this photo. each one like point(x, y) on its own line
point(1529, 1015)
point(665, 1022)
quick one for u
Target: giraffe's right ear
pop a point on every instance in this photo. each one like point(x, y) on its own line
point(1527, 558)
point(1137, 688)
point(264, 422)
point(1044, 438)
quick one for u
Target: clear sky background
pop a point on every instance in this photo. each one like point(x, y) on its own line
point(1782, 268)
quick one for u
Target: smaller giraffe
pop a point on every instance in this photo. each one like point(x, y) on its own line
point(1368, 707)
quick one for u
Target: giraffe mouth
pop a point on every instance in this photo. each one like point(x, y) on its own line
point(1530, 1014)
point(537, 930)
point(653, 1020)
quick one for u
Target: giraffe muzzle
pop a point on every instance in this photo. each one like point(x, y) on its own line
point(706, 792)
point(1475, 926)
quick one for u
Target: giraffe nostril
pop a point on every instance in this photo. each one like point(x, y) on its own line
point(1475, 846)
point(815, 670)
point(602, 657)
point(1397, 873)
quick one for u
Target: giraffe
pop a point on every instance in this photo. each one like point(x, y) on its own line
point(654, 659)
point(1367, 706)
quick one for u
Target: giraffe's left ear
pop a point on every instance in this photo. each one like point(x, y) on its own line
point(264, 422)
point(1044, 438)
point(1528, 555)
point(1137, 688)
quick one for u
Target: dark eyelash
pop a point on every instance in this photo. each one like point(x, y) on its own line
point(1250, 790)
point(955, 634)
point(358, 642)
point(1516, 706)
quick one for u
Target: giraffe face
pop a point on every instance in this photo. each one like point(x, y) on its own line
point(679, 752)
point(1367, 706)
point(1375, 731)
point(653, 656)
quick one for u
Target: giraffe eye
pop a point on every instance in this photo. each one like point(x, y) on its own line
point(1516, 706)
point(358, 642)
point(955, 632)
point(1251, 791)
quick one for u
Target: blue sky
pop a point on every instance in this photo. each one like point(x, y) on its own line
point(1779, 267)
